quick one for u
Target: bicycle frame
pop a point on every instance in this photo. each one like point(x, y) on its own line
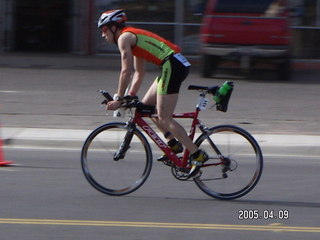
point(182, 163)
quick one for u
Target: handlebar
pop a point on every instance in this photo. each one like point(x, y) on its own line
point(128, 102)
point(107, 96)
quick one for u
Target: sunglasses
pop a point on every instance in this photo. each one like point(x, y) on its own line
point(104, 29)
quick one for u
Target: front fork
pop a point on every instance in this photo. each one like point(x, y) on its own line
point(125, 145)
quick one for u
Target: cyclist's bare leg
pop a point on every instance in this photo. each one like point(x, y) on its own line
point(151, 99)
point(165, 107)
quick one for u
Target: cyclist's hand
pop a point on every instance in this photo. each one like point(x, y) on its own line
point(113, 105)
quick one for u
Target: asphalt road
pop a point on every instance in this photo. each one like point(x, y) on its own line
point(45, 196)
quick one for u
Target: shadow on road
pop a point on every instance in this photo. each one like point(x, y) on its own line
point(278, 203)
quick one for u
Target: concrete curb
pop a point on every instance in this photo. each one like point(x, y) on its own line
point(40, 137)
point(71, 138)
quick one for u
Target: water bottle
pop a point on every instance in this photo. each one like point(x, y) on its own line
point(120, 112)
point(223, 91)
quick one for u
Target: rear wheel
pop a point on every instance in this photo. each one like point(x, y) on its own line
point(235, 162)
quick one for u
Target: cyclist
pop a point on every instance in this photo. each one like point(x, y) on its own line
point(137, 46)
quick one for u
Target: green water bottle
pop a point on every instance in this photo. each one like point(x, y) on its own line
point(223, 91)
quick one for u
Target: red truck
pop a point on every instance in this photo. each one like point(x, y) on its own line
point(248, 32)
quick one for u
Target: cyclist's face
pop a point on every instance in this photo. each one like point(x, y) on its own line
point(107, 34)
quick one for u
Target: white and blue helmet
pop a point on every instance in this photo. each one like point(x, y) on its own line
point(117, 17)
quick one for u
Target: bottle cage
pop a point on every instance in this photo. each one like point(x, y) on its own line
point(223, 105)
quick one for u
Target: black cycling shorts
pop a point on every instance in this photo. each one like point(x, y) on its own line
point(174, 70)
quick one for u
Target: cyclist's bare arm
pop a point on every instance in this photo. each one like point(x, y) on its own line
point(137, 76)
point(125, 43)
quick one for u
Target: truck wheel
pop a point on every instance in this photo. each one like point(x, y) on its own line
point(208, 65)
point(284, 70)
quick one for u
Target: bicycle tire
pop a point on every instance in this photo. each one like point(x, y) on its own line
point(113, 176)
point(246, 162)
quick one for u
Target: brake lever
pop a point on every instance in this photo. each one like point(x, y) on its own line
point(106, 95)
point(104, 101)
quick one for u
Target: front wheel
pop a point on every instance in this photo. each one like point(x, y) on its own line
point(116, 159)
point(235, 162)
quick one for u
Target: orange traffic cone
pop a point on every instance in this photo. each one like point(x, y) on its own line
point(2, 161)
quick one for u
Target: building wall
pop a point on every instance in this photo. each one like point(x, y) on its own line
point(37, 25)
point(6, 24)
point(1, 24)
point(177, 20)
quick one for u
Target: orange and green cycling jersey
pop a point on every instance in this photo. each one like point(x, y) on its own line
point(150, 46)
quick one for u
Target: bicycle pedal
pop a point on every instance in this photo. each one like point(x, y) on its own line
point(168, 163)
point(199, 173)
point(162, 158)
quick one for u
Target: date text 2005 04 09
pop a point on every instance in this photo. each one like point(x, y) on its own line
point(253, 214)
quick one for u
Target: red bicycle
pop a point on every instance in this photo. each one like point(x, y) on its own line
point(116, 157)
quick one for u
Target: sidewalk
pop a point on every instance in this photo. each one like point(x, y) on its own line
point(58, 61)
point(103, 61)
point(52, 109)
